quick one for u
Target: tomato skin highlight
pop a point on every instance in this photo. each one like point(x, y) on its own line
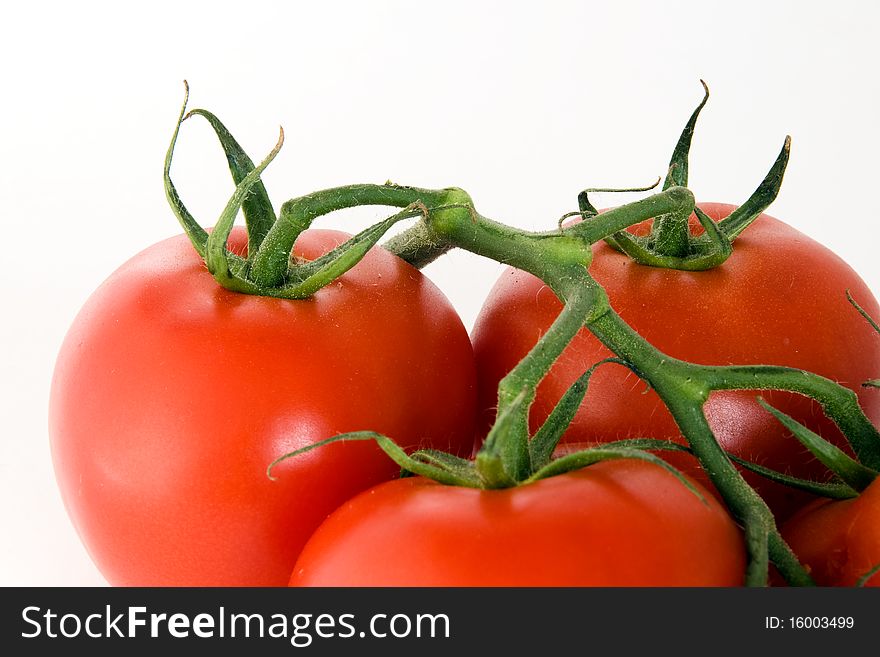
point(172, 395)
point(839, 540)
point(780, 299)
point(616, 523)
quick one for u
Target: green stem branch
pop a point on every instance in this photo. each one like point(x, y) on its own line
point(505, 456)
point(683, 387)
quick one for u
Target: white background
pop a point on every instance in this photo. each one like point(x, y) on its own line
point(521, 106)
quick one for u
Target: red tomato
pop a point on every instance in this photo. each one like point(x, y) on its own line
point(616, 523)
point(839, 540)
point(780, 299)
point(172, 395)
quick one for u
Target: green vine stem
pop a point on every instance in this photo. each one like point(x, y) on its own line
point(682, 386)
point(505, 457)
point(561, 259)
point(270, 264)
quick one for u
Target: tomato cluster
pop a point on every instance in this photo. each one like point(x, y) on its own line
point(171, 395)
point(191, 423)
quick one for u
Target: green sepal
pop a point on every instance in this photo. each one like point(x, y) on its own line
point(670, 244)
point(832, 490)
point(871, 383)
point(544, 442)
point(862, 312)
point(455, 465)
point(308, 278)
point(257, 208)
point(234, 272)
point(677, 174)
point(197, 235)
point(740, 219)
point(716, 245)
point(587, 457)
point(853, 473)
point(635, 246)
point(706, 253)
point(396, 453)
point(648, 445)
point(228, 271)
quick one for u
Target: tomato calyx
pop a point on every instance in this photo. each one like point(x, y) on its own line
point(269, 269)
point(509, 442)
point(670, 244)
